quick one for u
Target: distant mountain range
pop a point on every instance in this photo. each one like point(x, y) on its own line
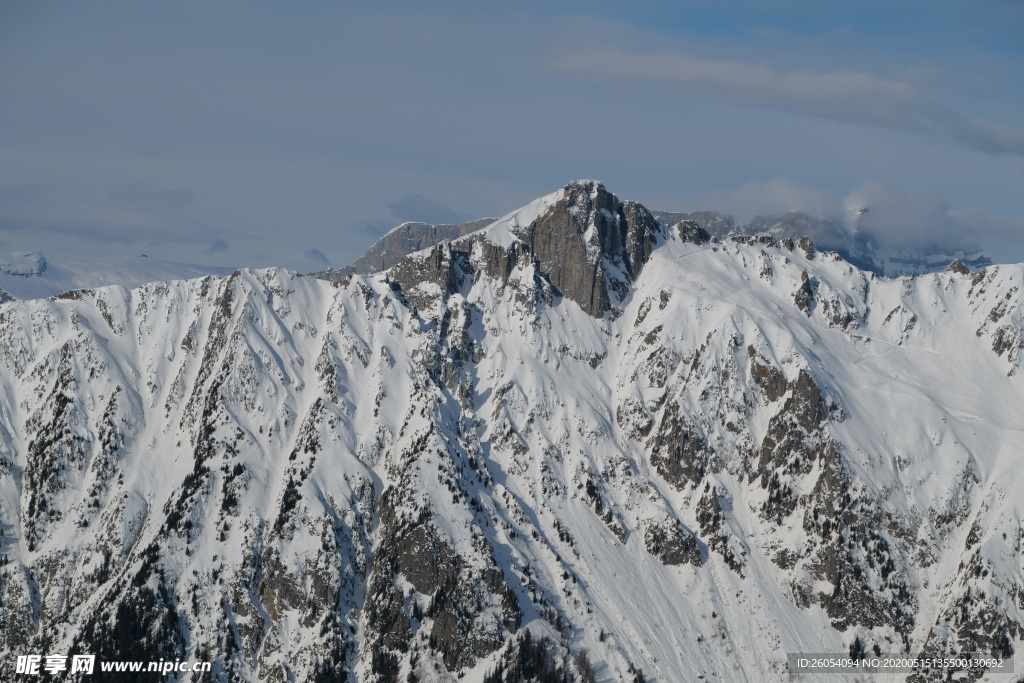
point(30, 275)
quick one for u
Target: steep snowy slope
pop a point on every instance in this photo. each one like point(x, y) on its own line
point(683, 457)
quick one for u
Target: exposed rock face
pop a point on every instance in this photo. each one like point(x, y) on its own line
point(591, 246)
point(769, 378)
point(439, 273)
point(958, 266)
point(678, 451)
point(587, 245)
point(671, 543)
point(463, 468)
point(690, 231)
point(804, 296)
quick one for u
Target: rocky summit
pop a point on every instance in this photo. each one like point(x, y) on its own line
point(579, 444)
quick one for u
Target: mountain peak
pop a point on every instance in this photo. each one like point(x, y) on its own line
point(589, 185)
point(592, 246)
point(584, 242)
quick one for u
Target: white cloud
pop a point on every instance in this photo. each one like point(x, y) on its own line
point(844, 95)
point(919, 218)
point(851, 96)
point(777, 196)
point(901, 218)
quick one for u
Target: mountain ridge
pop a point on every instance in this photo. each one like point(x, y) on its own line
point(674, 455)
point(860, 247)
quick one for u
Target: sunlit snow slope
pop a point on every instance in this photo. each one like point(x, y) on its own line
point(685, 457)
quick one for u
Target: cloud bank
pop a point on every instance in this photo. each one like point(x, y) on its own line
point(896, 218)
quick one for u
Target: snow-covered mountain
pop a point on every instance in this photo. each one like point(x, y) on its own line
point(661, 456)
point(30, 275)
point(856, 244)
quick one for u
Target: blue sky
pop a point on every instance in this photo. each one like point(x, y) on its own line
point(260, 133)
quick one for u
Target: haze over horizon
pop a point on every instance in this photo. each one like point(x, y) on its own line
point(252, 134)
